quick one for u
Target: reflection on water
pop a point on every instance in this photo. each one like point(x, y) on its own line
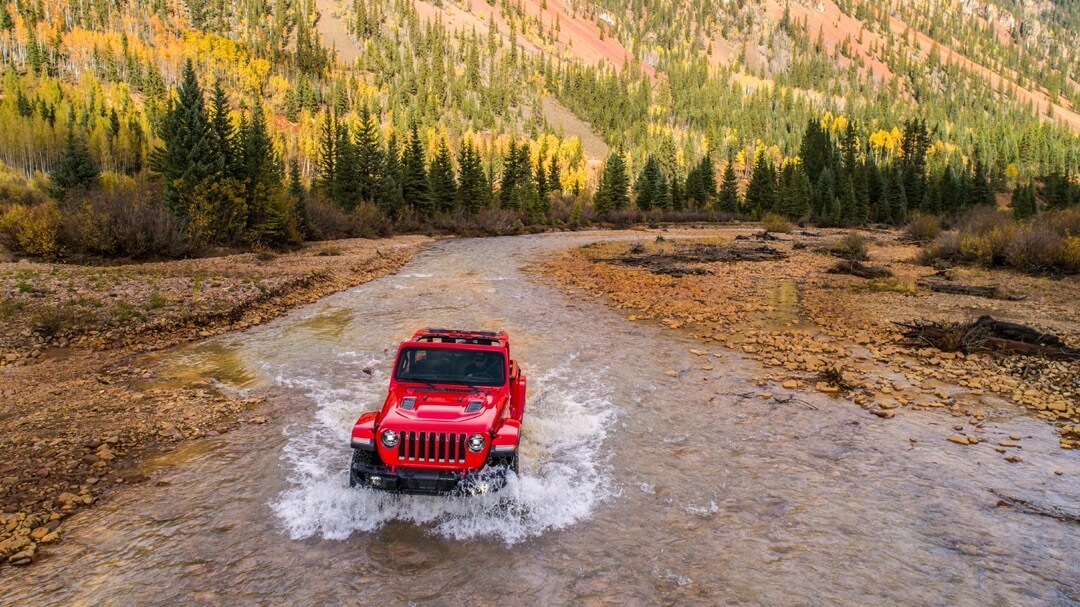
point(211, 360)
point(637, 487)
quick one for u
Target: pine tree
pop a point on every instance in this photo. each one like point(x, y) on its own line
point(825, 198)
point(185, 159)
point(612, 191)
point(761, 191)
point(554, 175)
point(327, 169)
point(1023, 202)
point(645, 188)
point(368, 157)
point(982, 193)
point(915, 143)
point(661, 192)
point(267, 212)
point(728, 200)
point(76, 170)
point(442, 181)
point(895, 205)
point(472, 183)
point(301, 214)
point(345, 188)
point(389, 197)
point(414, 183)
point(224, 156)
point(793, 200)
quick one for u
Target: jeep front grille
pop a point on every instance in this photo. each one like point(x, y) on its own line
point(431, 447)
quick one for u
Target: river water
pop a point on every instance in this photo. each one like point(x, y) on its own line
point(637, 487)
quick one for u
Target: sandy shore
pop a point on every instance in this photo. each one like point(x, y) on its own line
point(76, 417)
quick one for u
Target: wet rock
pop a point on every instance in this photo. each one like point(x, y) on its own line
point(958, 439)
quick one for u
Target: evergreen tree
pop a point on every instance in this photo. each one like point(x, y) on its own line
point(794, 194)
point(301, 215)
point(327, 170)
point(472, 183)
point(728, 199)
point(414, 183)
point(389, 197)
point(1023, 202)
point(761, 191)
point(982, 193)
point(611, 193)
point(824, 201)
point(224, 157)
point(508, 183)
point(267, 212)
point(894, 207)
point(645, 188)
point(661, 192)
point(915, 144)
point(76, 170)
point(815, 150)
point(554, 175)
point(185, 159)
point(345, 188)
point(441, 180)
point(369, 159)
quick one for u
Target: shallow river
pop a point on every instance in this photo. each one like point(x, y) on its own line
point(636, 487)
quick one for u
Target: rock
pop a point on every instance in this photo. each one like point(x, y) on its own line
point(1012, 459)
point(826, 388)
point(68, 498)
point(22, 558)
point(791, 384)
point(51, 537)
point(884, 414)
point(671, 373)
point(1014, 437)
point(960, 440)
point(39, 533)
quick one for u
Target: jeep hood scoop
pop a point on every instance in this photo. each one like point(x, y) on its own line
point(433, 404)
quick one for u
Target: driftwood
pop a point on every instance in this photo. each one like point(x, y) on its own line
point(989, 334)
point(859, 269)
point(1033, 508)
point(991, 292)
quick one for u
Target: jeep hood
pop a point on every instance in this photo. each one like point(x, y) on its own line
point(435, 405)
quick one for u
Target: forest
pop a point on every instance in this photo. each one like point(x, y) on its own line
point(144, 128)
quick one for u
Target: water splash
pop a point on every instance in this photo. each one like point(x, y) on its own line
point(563, 474)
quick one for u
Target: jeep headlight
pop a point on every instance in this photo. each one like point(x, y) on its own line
point(389, 438)
point(476, 443)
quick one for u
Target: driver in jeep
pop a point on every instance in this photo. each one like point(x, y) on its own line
point(481, 366)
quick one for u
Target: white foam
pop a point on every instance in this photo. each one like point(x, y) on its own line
point(563, 474)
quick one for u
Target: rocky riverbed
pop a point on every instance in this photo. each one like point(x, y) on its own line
point(772, 299)
point(78, 412)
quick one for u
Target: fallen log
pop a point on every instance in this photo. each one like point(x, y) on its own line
point(987, 334)
point(1023, 505)
point(855, 268)
point(991, 292)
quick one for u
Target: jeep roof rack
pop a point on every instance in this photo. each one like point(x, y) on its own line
point(461, 336)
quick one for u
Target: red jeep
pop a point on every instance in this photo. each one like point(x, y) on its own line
point(451, 420)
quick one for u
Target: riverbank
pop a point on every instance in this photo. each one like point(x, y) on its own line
point(73, 419)
point(774, 300)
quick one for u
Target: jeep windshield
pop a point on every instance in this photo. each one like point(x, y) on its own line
point(452, 366)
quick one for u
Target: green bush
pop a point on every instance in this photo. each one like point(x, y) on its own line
point(773, 222)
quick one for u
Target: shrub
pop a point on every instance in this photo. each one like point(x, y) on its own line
point(33, 230)
point(852, 246)
point(124, 221)
point(1049, 243)
point(329, 221)
point(923, 228)
point(776, 223)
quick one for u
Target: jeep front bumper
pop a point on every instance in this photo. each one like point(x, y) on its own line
point(426, 482)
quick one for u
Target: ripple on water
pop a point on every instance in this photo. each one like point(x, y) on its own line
point(563, 475)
